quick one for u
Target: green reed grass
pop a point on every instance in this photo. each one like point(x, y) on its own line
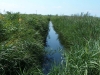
point(80, 35)
point(23, 49)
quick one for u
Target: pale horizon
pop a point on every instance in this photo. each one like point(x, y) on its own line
point(53, 7)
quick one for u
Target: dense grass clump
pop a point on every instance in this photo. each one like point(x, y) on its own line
point(22, 39)
point(80, 34)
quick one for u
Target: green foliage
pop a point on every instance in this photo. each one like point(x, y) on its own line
point(2, 32)
point(80, 35)
point(23, 48)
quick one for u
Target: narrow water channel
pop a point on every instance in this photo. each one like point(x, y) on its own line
point(53, 48)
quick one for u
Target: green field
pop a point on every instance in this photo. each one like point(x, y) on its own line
point(80, 35)
point(23, 37)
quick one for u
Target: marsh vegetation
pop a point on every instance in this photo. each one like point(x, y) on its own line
point(80, 34)
point(23, 37)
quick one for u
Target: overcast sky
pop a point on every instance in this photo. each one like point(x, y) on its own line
point(60, 7)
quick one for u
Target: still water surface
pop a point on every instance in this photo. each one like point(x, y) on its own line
point(53, 48)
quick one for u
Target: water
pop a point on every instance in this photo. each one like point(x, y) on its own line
point(53, 48)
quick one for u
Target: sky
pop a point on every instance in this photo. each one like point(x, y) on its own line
point(46, 7)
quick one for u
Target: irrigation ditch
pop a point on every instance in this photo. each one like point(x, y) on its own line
point(54, 50)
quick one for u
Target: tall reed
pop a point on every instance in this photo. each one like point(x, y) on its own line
point(80, 34)
point(23, 49)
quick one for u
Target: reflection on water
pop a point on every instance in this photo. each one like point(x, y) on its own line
point(53, 48)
